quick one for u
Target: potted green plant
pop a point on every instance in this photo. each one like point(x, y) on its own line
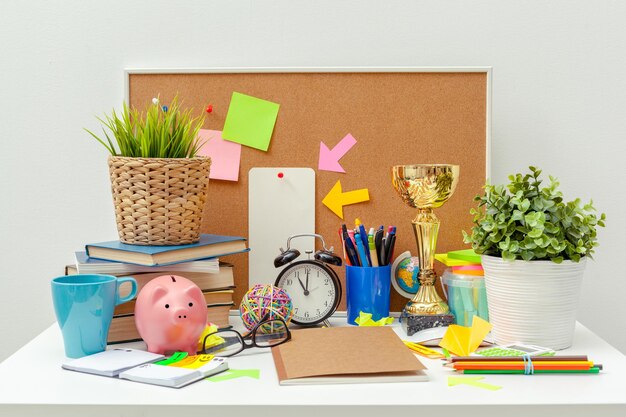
point(158, 181)
point(534, 249)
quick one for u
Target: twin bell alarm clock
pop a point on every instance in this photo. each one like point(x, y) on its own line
point(313, 286)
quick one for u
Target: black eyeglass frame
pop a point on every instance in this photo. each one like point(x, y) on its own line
point(251, 335)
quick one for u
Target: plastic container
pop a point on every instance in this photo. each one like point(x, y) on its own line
point(367, 290)
point(467, 296)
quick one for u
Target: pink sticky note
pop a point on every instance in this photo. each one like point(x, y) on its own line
point(329, 158)
point(225, 155)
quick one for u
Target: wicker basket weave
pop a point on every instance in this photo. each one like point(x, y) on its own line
point(159, 201)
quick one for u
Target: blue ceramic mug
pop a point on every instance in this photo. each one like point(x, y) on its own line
point(84, 306)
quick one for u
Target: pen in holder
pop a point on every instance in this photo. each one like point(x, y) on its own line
point(367, 290)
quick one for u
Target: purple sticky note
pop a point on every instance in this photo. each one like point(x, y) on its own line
point(225, 155)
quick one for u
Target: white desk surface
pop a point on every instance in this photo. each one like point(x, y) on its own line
point(33, 383)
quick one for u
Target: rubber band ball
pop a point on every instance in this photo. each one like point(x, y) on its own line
point(265, 301)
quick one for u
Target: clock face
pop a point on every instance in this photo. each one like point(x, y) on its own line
point(313, 289)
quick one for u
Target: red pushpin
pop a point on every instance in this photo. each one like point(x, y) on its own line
point(209, 108)
point(280, 175)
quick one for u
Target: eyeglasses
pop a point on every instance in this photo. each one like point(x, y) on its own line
point(267, 333)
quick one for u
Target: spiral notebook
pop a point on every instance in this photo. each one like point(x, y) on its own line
point(111, 362)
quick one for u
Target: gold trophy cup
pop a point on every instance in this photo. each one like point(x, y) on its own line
point(426, 187)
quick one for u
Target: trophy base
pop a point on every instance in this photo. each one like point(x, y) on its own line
point(412, 323)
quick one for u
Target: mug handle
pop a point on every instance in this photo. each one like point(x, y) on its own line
point(119, 300)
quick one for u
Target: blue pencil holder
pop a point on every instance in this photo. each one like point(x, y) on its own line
point(367, 290)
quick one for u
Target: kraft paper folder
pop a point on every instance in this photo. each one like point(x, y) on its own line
point(345, 355)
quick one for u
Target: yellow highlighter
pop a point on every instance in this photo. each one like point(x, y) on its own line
point(372, 246)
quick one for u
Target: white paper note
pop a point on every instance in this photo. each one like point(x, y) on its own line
point(279, 207)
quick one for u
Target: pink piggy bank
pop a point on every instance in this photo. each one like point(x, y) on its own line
point(171, 314)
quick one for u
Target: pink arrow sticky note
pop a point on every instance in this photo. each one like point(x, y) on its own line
point(225, 155)
point(329, 159)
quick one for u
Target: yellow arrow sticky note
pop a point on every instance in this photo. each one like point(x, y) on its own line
point(336, 199)
point(472, 381)
point(462, 341)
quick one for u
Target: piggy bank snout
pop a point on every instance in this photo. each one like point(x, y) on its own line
point(181, 313)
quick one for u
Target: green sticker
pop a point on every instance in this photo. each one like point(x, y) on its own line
point(235, 373)
point(176, 357)
point(250, 121)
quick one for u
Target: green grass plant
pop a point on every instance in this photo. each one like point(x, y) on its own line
point(157, 133)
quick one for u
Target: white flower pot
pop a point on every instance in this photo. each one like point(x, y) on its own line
point(533, 302)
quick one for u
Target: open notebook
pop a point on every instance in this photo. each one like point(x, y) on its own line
point(345, 355)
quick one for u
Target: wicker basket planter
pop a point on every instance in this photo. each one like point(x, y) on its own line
point(159, 201)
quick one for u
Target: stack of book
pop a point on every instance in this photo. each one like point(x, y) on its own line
point(197, 262)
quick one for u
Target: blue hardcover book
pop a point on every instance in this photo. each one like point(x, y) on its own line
point(209, 246)
point(87, 265)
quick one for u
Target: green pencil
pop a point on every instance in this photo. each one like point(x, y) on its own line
point(592, 370)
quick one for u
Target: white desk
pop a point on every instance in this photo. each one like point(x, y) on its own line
point(33, 383)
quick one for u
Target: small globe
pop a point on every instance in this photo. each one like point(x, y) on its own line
point(406, 275)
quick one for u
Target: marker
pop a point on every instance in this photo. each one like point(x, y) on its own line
point(350, 249)
point(343, 247)
point(361, 249)
point(392, 242)
point(372, 247)
point(378, 241)
point(363, 234)
point(391, 245)
point(352, 254)
point(351, 234)
point(383, 252)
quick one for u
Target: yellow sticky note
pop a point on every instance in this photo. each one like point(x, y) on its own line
point(193, 362)
point(463, 341)
point(444, 259)
point(365, 320)
point(213, 340)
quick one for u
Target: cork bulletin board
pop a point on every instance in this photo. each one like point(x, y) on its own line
point(397, 115)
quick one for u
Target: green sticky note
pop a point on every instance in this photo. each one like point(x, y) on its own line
point(176, 357)
point(472, 381)
point(250, 121)
point(234, 374)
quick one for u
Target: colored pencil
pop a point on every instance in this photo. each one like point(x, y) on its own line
point(517, 358)
point(594, 370)
point(520, 366)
